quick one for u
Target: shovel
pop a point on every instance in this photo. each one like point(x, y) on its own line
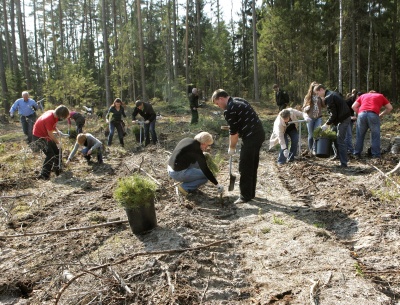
point(232, 178)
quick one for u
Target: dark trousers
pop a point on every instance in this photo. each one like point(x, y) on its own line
point(79, 126)
point(248, 164)
point(150, 129)
point(116, 125)
point(195, 116)
point(27, 123)
point(52, 153)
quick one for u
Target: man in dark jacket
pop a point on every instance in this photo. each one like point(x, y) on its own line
point(243, 123)
point(281, 97)
point(147, 112)
point(339, 115)
point(194, 105)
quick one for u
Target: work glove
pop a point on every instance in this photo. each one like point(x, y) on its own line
point(286, 152)
point(58, 145)
point(147, 122)
point(220, 189)
point(231, 151)
point(308, 119)
point(12, 115)
point(306, 108)
point(324, 127)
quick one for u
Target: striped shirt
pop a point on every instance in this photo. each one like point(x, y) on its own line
point(242, 118)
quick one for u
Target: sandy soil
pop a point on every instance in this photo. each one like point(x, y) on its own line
point(315, 234)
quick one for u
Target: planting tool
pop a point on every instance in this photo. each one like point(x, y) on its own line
point(232, 178)
point(141, 126)
point(60, 135)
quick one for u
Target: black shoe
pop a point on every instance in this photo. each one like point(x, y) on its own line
point(57, 171)
point(356, 156)
point(41, 177)
point(100, 162)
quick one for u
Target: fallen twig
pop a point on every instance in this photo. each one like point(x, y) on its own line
point(313, 292)
point(144, 172)
point(66, 230)
point(386, 176)
point(204, 291)
point(15, 196)
point(132, 256)
point(120, 280)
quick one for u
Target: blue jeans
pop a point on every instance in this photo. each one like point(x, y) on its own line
point(371, 120)
point(294, 139)
point(85, 150)
point(341, 140)
point(311, 126)
point(192, 177)
point(150, 128)
point(349, 137)
point(27, 123)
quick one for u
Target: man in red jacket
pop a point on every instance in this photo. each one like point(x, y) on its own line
point(43, 136)
point(368, 106)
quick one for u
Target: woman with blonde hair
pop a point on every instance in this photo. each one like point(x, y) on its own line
point(188, 164)
point(312, 110)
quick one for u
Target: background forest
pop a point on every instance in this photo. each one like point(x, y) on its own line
point(89, 52)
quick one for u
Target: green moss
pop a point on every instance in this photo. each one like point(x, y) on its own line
point(328, 134)
point(134, 191)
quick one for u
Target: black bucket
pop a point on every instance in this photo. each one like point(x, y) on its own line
point(324, 146)
point(143, 218)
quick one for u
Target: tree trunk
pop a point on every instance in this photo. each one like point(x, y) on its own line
point(107, 70)
point(14, 41)
point(255, 60)
point(141, 50)
point(340, 81)
point(187, 43)
point(24, 47)
point(4, 89)
point(393, 51)
point(37, 66)
point(61, 25)
point(6, 35)
point(176, 57)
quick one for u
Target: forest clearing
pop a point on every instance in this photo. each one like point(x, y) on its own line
point(314, 234)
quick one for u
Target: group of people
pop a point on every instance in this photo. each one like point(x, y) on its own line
point(114, 118)
point(364, 109)
point(188, 164)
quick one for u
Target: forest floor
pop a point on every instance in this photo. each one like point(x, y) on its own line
point(314, 234)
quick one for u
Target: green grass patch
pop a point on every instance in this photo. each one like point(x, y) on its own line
point(386, 195)
point(12, 136)
point(278, 221)
point(319, 225)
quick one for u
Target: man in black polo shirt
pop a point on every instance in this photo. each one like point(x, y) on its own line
point(244, 123)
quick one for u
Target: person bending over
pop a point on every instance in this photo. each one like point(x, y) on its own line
point(188, 164)
point(90, 145)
